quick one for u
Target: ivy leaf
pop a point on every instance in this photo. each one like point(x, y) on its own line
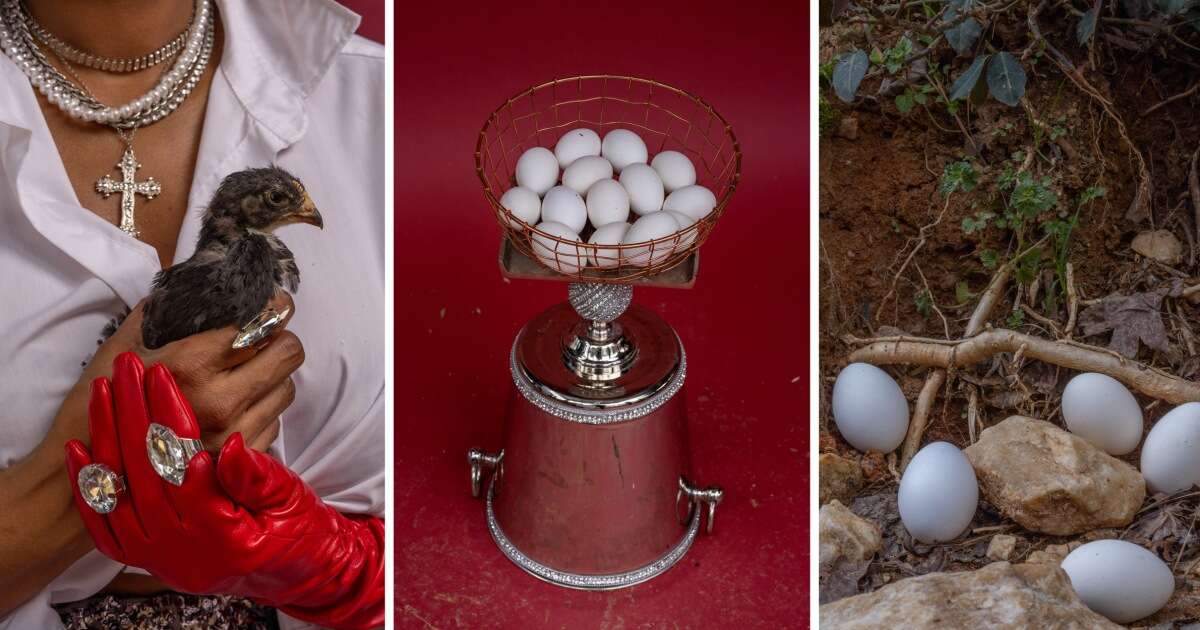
point(848, 74)
point(966, 81)
point(1175, 7)
point(963, 36)
point(1087, 26)
point(1006, 79)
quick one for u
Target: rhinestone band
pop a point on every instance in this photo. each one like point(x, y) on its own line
point(595, 416)
point(585, 581)
point(108, 64)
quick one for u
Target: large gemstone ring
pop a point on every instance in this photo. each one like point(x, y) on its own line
point(99, 486)
point(169, 454)
point(260, 327)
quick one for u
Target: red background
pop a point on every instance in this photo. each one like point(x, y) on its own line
point(745, 324)
point(372, 26)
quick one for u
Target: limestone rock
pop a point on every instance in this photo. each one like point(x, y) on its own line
point(1161, 245)
point(1000, 595)
point(840, 478)
point(847, 544)
point(1051, 481)
point(1001, 547)
point(1052, 554)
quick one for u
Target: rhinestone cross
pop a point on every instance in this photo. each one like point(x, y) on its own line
point(128, 187)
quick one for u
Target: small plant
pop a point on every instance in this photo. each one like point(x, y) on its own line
point(924, 303)
point(958, 176)
point(827, 116)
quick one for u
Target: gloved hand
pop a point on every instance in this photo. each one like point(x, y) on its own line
point(245, 526)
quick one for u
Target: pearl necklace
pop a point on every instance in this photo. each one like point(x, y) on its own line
point(17, 40)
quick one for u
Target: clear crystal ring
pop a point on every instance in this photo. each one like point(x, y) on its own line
point(169, 454)
point(260, 327)
point(99, 486)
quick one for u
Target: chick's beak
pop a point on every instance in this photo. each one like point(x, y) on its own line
point(309, 214)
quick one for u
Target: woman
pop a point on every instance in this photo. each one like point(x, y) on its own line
point(217, 87)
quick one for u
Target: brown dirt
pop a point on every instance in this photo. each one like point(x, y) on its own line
point(879, 188)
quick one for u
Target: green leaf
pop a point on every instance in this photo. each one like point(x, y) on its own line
point(924, 303)
point(957, 176)
point(962, 292)
point(1016, 319)
point(904, 102)
point(962, 37)
point(1087, 26)
point(977, 222)
point(1175, 7)
point(848, 74)
point(1006, 79)
point(989, 258)
point(966, 81)
point(1091, 193)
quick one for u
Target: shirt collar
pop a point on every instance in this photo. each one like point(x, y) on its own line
point(276, 51)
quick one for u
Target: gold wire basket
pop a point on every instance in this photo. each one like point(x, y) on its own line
point(666, 117)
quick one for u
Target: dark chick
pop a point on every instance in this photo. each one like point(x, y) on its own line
point(239, 263)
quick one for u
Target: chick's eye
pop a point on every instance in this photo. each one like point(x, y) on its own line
point(275, 198)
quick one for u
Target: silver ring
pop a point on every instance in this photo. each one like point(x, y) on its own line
point(170, 454)
point(260, 327)
point(99, 487)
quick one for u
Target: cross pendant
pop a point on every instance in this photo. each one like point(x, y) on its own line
point(128, 186)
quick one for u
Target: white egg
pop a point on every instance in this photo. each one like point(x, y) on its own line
point(537, 170)
point(938, 493)
point(575, 144)
point(652, 226)
point(696, 201)
point(645, 188)
point(607, 202)
point(524, 204)
point(1171, 452)
point(623, 147)
point(565, 206)
point(585, 171)
point(675, 169)
point(609, 234)
point(1119, 579)
point(1098, 408)
point(869, 409)
point(684, 222)
point(555, 255)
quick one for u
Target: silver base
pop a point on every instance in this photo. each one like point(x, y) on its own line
point(589, 582)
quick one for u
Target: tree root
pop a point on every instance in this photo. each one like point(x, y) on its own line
point(920, 418)
point(1071, 355)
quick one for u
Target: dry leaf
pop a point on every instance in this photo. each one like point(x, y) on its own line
point(1131, 318)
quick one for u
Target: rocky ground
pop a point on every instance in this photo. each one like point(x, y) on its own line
point(1099, 257)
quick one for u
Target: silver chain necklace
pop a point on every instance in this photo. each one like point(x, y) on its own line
point(74, 55)
point(73, 98)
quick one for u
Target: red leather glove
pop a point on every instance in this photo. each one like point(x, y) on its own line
point(245, 526)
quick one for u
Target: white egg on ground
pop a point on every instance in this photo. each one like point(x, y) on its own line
point(575, 144)
point(554, 254)
point(623, 147)
point(1171, 452)
point(869, 409)
point(585, 171)
point(1098, 408)
point(675, 169)
point(1118, 579)
point(645, 188)
point(938, 493)
point(537, 170)
point(565, 206)
point(684, 222)
point(695, 201)
point(609, 234)
point(607, 202)
point(524, 204)
point(652, 226)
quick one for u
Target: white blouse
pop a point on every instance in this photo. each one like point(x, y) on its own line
point(294, 87)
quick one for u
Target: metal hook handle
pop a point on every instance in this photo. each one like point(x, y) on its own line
point(479, 459)
point(710, 496)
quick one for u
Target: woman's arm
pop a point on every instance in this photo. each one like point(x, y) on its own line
point(41, 533)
